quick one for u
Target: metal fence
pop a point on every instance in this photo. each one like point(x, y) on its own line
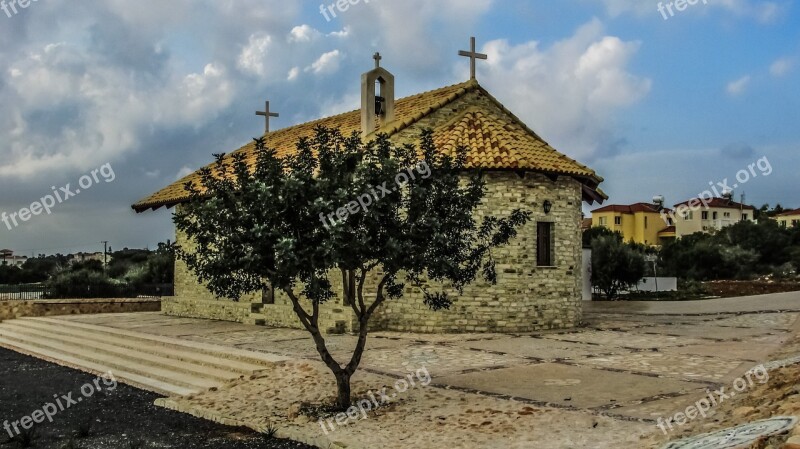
point(32, 292)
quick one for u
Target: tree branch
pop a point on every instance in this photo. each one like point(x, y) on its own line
point(311, 325)
point(363, 330)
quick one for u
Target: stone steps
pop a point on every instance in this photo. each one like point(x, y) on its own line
point(164, 365)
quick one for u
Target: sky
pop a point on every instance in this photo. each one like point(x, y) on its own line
point(106, 101)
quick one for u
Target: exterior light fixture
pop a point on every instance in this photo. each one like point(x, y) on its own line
point(547, 206)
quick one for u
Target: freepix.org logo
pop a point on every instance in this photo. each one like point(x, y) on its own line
point(12, 7)
point(58, 196)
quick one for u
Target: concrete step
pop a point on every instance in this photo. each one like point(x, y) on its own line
point(140, 355)
point(225, 352)
point(108, 362)
point(136, 380)
point(175, 352)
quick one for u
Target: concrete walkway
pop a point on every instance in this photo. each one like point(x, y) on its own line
point(747, 304)
point(604, 385)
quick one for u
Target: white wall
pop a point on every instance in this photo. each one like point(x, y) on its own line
point(587, 274)
point(664, 284)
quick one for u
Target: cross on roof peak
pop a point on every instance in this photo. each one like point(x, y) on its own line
point(473, 55)
point(267, 115)
point(377, 57)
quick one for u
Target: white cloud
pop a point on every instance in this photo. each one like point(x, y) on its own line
point(760, 10)
point(345, 32)
point(115, 108)
point(184, 172)
point(570, 91)
point(253, 57)
point(294, 72)
point(738, 87)
point(781, 67)
point(303, 33)
point(326, 64)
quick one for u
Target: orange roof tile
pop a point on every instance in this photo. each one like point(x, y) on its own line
point(495, 141)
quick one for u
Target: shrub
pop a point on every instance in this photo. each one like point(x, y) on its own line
point(87, 284)
point(616, 266)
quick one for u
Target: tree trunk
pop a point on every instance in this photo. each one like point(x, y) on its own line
point(344, 399)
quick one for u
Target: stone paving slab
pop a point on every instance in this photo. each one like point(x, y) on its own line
point(340, 345)
point(572, 386)
point(254, 336)
point(441, 338)
point(675, 366)
point(767, 320)
point(731, 350)
point(615, 339)
point(655, 408)
point(439, 360)
point(711, 331)
point(539, 348)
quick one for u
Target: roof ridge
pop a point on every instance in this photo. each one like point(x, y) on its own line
point(358, 111)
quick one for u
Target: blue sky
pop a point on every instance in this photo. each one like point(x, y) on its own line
point(657, 107)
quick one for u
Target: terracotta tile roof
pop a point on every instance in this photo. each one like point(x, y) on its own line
point(720, 203)
point(586, 224)
point(789, 213)
point(496, 141)
point(668, 230)
point(630, 209)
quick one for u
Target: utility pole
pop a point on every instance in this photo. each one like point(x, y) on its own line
point(105, 254)
point(741, 208)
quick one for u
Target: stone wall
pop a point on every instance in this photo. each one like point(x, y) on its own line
point(526, 297)
point(208, 308)
point(10, 310)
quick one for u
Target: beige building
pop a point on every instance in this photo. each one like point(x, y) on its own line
point(789, 218)
point(539, 274)
point(695, 216)
point(8, 258)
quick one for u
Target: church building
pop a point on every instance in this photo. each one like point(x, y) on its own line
point(539, 282)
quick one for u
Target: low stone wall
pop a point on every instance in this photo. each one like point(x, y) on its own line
point(207, 309)
point(10, 310)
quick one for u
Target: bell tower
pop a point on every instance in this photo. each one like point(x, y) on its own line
point(377, 98)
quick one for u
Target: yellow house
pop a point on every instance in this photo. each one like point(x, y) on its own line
point(789, 218)
point(641, 222)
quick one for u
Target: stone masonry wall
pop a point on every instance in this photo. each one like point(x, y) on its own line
point(526, 297)
point(10, 310)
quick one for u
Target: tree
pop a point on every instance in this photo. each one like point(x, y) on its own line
point(281, 222)
point(599, 231)
point(616, 266)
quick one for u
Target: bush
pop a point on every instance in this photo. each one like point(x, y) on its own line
point(88, 284)
point(616, 266)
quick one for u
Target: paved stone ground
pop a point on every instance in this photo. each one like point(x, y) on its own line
point(604, 385)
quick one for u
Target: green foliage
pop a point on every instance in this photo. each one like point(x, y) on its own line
point(616, 266)
point(34, 270)
point(271, 432)
point(796, 258)
point(599, 231)
point(270, 224)
point(88, 284)
point(741, 251)
point(94, 266)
